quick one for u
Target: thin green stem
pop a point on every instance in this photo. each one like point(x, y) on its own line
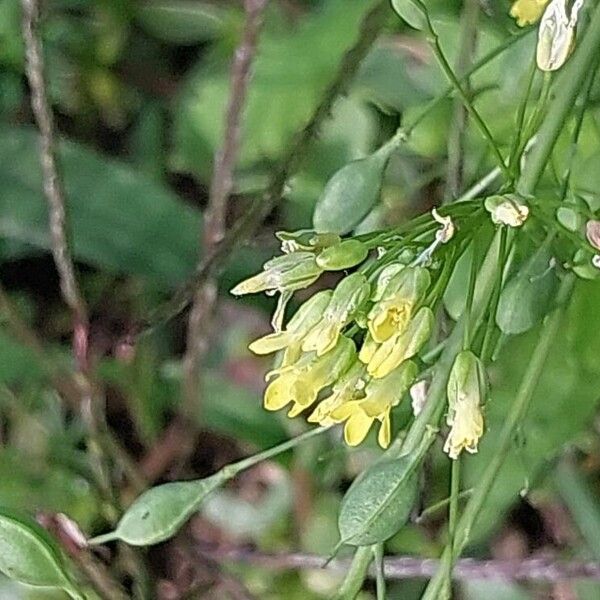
point(434, 508)
point(452, 522)
point(355, 577)
point(568, 84)
point(379, 571)
point(520, 121)
point(486, 346)
point(448, 71)
point(514, 418)
point(468, 318)
point(484, 61)
point(234, 468)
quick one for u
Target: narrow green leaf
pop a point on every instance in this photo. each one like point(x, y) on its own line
point(379, 503)
point(528, 295)
point(159, 512)
point(350, 194)
point(29, 555)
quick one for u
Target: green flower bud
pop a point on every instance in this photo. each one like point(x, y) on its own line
point(345, 255)
point(288, 272)
point(306, 240)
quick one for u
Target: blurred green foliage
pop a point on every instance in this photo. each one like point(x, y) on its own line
point(139, 91)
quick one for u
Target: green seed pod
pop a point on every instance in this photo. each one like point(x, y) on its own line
point(345, 255)
point(379, 502)
point(351, 193)
point(29, 555)
point(160, 511)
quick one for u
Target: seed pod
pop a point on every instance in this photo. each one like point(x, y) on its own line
point(29, 555)
point(351, 193)
point(345, 255)
point(160, 511)
point(379, 502)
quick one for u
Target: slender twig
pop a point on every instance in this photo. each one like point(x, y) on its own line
point(52, 182)
point(436, 46)
point(199, 328)
point(456, 135)
point(296, 150)
point(162, 454)
point(528, 569)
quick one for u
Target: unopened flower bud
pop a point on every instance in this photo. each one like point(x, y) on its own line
point(344, 255)
point(288, 272)
point(306, 240)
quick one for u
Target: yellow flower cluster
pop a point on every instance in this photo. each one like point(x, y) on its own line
point(527, 12)
point(320, 363)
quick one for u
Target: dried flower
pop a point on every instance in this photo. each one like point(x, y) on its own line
point(466, 391)
point(507, 210)
point(556, 34)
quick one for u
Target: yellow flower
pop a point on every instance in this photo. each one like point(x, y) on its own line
point(301, 382)
point(380, 396)
point(527, 12)
point(290, 339)
point(395, 350)
point(392, 313)
point(347, 298)
point(466, 391)
point(350, 387)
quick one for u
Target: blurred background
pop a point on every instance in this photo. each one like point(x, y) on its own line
point(138, 90)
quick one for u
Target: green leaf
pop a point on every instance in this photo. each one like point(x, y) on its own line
point(379, 502)
point(120, 220)
point(350, 194)
point(528, 295)
point(294, 66)
point(29, 555)
point(408, 12)
point(182, 22)
point(161, 511)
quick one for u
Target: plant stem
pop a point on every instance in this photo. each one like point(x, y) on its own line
point(515, 416)
point(458, 127)
point(379, 571)
point(445, 65)
point(356, 574)
point(233, 469)
point(568, 85)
